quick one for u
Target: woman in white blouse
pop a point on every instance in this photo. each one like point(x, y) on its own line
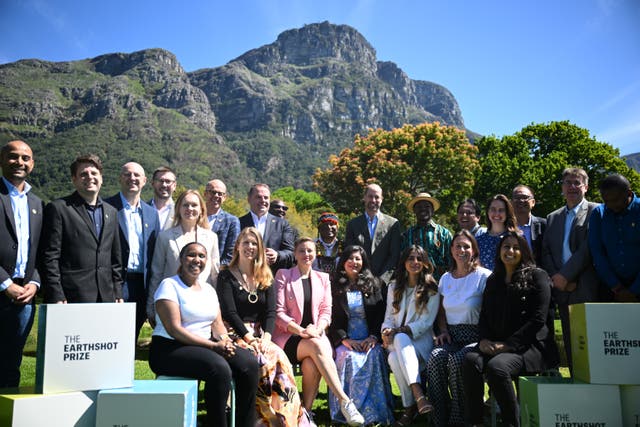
point(412, 306)
point(461, 298)
point(190, 225)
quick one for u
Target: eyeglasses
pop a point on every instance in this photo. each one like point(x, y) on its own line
point(572, 183)
point(280, 207)
point(522, 198)
point(215, 193)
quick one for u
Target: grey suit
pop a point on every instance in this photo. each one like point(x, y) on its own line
point(578, 268)
point(383, 250)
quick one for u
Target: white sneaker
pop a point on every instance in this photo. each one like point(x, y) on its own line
point(351, 414)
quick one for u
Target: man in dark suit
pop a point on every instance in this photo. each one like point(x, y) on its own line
point(225, 225)
point(20, 225)
point(81, 259)
point(377, 233)
point(565, 250)
point(276, 232)
point(139, 227)
point(532, 226)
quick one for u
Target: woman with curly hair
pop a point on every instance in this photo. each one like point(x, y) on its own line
point(501, 219)
point(514, 337)
point(357, 314)
point(248, 301)
point(412, 305)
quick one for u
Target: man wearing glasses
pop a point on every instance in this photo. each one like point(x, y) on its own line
point(225, 225)
point(532, 226)
point(164, 184)
point(565, 250)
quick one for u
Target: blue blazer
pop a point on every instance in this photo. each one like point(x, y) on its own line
point(150, 230)
point(227, 227)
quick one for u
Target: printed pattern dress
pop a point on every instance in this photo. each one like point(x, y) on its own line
point(364, 376)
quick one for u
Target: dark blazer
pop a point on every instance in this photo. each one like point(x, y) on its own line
point(538, 226)
point(578, 268)
point(77, 265)
point(374, 309)
point(150, 230)
point(384, 250)
point(518, 318)
point(227, 227)
point(9, 238)
point(278, 235)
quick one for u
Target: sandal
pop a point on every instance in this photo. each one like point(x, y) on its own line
point(424, 405)
point(407, 417)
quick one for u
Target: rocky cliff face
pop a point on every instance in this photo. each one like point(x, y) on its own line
point(273, 114)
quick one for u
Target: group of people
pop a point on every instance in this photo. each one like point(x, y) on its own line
point(243, 300)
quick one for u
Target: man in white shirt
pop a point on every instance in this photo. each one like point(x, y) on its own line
point(163, 182)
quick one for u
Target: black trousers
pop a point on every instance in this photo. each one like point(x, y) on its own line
point(169, 357)
point(133, 290)
point(499, 371)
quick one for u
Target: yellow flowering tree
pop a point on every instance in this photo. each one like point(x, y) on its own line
point(404, 161)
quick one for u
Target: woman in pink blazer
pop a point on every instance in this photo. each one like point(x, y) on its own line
point(303, 312)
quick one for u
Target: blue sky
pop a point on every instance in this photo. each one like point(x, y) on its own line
point(508, 63)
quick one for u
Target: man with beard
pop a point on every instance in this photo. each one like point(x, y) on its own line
point(433, 238)
point(377, 233)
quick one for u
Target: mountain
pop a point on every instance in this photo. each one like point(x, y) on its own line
point(274, 114)
point(633, 160)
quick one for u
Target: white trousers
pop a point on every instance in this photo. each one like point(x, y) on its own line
point(405, 365)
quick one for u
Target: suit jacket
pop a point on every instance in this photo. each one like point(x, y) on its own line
point(227, 227)
point(9, 237)
point(78, 265)
point(384, 250)
point(168, 223)
point(420, 322)
point(578, 268)
point(150, 230)
point(538, 226)
point(290, 301)
point(278, 235)
point(374, 305)
point(166, 259)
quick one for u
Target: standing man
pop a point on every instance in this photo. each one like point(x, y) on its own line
point(164, 184)
point(532, 227)
point(20, 225)
point(276, 232)
point(81, 256)
point(377, 233)
point(139, 228)
point(328, 247)
point(433, 238)
point(225, 225)
point(468, 216)
point(565, 251)
point(614, 240)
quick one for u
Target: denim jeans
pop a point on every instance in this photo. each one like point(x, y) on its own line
point(15, 325)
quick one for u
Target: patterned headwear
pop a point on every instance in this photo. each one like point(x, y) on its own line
point(328, 217)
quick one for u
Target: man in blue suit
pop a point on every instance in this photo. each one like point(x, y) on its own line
point(20, 225)
point(276, 232)
point(225, 225)
point(139, 227)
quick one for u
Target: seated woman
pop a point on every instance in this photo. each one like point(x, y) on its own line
point(248, 302)
point(190, 225)
point(407, 334)
point(190, 340)
point(460, 300)
point(501, 218)
point(514, 338)
point(357, 314)
point(303, 312)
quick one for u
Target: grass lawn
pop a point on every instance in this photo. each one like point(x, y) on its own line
point(143, 372)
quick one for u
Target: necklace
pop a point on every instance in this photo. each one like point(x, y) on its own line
point(252, 296)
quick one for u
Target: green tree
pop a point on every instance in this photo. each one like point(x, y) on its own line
point(404, 161)
point(537, 155)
